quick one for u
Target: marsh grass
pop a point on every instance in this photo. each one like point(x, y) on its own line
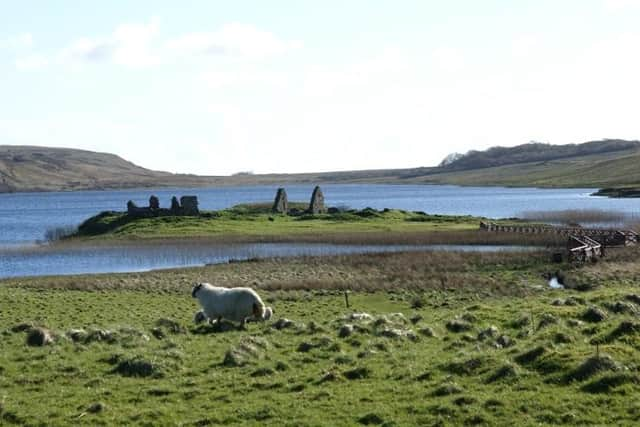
point(481, 273)
point(579, 216)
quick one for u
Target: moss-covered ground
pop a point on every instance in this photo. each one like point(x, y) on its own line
point(480, 339)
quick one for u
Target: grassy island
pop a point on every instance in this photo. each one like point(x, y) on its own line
point(256, 223)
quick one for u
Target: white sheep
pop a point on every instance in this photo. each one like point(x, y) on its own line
point(236, 304)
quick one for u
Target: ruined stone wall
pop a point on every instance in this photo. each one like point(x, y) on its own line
point(188, 206)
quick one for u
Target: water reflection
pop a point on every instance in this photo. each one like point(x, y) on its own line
point(44, 260)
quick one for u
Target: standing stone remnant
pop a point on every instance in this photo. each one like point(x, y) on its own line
point(175, 205)
point(154, 203)
point(189, 205)
point(281, 204)
point(317, 201)
point(131, 207)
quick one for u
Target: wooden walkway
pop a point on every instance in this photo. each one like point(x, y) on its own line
point(602, 236)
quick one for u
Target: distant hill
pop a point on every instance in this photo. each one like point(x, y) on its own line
point(608, 163)
point(26, 168)
point(534, 152)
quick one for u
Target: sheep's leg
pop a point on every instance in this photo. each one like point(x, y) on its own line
point(243, 326)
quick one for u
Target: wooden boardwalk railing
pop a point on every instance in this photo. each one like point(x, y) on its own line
point(603, 236)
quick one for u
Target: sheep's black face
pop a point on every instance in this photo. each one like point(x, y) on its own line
point(195, 290)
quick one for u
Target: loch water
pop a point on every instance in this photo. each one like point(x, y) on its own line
point(25, 218)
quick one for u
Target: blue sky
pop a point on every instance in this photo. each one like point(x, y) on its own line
point(291, 86)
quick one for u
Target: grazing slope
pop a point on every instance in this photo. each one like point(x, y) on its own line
point(24, 168)
point(608, 163)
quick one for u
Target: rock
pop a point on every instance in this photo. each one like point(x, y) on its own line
point(507, 371)
point(189, 205)
point(38, 337)
point(573, 301)
point(447, 389)
point(633, 298)
point(21, 327)
point(398, 333)
point(158, 333)
point(623, 307)
point(504, 341)
point(316, 206)
point(415, 319)
point(547, 319)
point(248, 349)
point(138, 367)
point(458, 325)
point(77, 335)
point(360, 317)
point(345, 331)
point(574, 323)
point(281, 204)
point(171, 326)
point(96, 408)
point(283, 323)
point(594, 314)
point(490, 332)
point(427, 332)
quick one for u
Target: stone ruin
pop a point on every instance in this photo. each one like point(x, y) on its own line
point(154, 203)
point(316, 206)
point(281, 204)
point(188, 206)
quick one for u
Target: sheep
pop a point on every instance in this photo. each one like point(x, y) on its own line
point(235, 304)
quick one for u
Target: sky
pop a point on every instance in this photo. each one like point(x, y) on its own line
point(221, 87)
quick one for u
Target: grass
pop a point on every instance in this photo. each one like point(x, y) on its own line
point(247, 221)
point(578, 216)
point(146, 363)
point(255, 223)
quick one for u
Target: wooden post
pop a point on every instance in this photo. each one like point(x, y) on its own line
point(346, 298)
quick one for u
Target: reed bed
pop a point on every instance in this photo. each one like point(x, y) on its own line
point(462, 237)
point(579, 216)
point(494, 273)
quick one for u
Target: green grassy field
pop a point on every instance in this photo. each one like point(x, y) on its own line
point(260, 223)
point(480, 339)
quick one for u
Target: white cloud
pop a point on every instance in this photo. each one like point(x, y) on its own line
point(31, 62)
point(448, 59)
point(621, 5)
point(18, 42)
point(130, 45)
point(234, 39)
point(245, 77)
point(140, 45)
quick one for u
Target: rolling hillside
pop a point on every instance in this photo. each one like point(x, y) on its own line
point(609, 163)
